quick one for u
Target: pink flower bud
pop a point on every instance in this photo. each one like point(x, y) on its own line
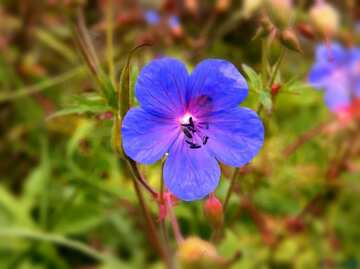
point(213, 211)
point(324, 18)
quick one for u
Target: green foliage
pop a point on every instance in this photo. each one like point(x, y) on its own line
point(67, 199)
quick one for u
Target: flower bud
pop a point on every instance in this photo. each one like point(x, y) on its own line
point(195, 253)
point(213, 211)
point(289, 39)
point(294, 224)
point(280, 12)
point(306, 31)
point(175, 26)
point(324, 18)
point(275, 88)
point(267, 26)
point(251, 6)
point(192, 6)
point(222, 5)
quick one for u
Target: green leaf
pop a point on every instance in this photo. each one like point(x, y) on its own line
point(298, 86)
point(90, 104)
point(265, 100)
point(108, 89)
point(255, 83)
point(35, 187)
point(14, 208)
point(83, 130)
point(79, 218)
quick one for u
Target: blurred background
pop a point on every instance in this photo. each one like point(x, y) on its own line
point(67, 200)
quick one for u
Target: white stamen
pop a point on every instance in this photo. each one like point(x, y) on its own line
point(186, 118)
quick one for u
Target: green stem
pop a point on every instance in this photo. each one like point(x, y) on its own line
point(43, 85)
point(264, 52)
point(140, 178)
point(150, 225)
point(110, 40)
point(231, 187)
point(174, 223)
point(277, 67)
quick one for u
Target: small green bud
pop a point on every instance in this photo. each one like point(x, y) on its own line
point(289, 39)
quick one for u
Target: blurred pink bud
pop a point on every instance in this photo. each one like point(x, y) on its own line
point(164, 201)
point(213, 211)
point(306, 31)
point(222, 5)
point(105, 116)
point(192, 6)
point(325, 18)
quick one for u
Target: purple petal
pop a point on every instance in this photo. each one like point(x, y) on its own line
point(220, 82)
point(337, 97)
point(235, 136)
point(355, 70)
point(152, 17)
point(332, 53)
point(319, 75)
point(161, 87)
point(190, 174)
point(357, 87)
point(147, 137)
point(174, 21)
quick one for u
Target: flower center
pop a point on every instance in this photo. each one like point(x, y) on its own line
point(192, 130)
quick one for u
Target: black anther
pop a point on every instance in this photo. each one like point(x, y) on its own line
point(195, 146)
point(187, 133)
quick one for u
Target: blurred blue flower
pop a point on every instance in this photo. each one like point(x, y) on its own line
point(174, 21)
point(196, 119)
point(337, 71)
point(152, 17)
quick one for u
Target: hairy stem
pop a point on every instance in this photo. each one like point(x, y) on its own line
point(140, 178)
point(231, 187)
point(174, 224)
point(109, 40)
point(150, 225)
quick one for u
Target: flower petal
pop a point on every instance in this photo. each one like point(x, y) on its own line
point(190, 174)
point(319, 75)
point(220, 82)
point(235, 136)
point(161, 87)
point(332, 53)
point(147, 137)
point(338, 96)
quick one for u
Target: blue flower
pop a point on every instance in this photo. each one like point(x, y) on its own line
point(195, 119)
point(152, 17)
point(174, 21)
point(337, 71)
